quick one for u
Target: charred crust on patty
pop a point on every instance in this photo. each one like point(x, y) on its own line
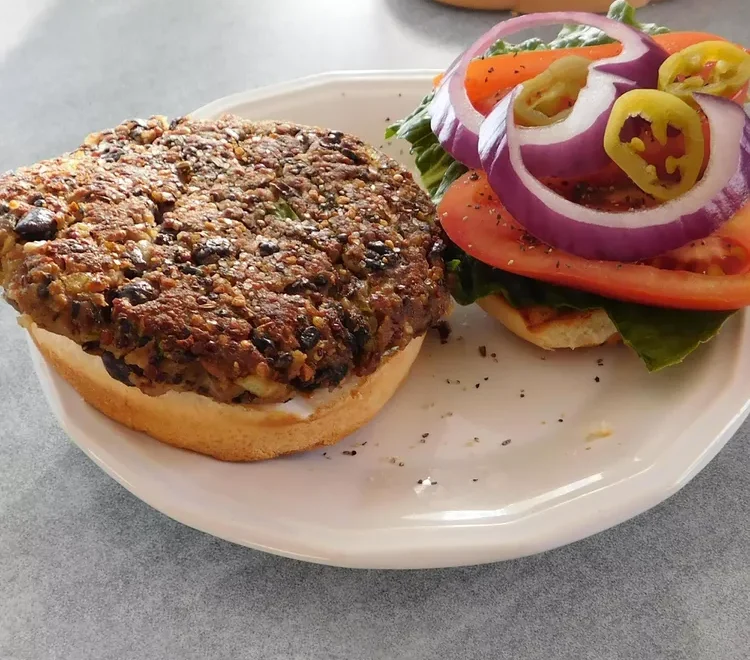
point(240, 260)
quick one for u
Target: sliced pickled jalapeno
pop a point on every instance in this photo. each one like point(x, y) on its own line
point(710, 67)
point(667, 118)
point(549, 97)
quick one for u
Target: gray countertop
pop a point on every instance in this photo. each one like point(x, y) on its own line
point(89, 571)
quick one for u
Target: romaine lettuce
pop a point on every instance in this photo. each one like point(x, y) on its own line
point(661, 337)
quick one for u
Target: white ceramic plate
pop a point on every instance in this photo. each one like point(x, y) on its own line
point(509, 475)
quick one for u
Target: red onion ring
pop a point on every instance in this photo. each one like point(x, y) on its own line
point(456, 122)
point(592, 234)
point(574, 147)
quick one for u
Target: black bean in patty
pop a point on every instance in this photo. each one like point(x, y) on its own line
point(264, 344)
point(116, 368)
point(309, 337)
point(38, 224)
point(137, 292)
point(211, 250)
point(267, 248)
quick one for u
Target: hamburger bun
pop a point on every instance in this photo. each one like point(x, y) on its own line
point(549, 328)
point(229, 432)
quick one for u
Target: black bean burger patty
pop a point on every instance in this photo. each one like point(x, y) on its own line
point(240, 260)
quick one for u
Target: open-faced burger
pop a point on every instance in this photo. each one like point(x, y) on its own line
point(594, 189)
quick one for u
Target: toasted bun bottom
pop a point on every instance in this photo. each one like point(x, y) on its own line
point(226, 431)
point(551, 329)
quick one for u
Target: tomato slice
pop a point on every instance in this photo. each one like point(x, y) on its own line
point(713, 274)
point(665, 116)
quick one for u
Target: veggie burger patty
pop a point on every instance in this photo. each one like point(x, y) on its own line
point(239, 260)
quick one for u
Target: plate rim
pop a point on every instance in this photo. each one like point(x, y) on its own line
point(213, 109)
point(470, 544)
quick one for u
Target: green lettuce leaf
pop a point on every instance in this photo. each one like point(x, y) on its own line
point(661, 337)
point(577, 36)
point(437, 168)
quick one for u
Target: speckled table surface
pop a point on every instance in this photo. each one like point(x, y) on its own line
point(89, 571)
